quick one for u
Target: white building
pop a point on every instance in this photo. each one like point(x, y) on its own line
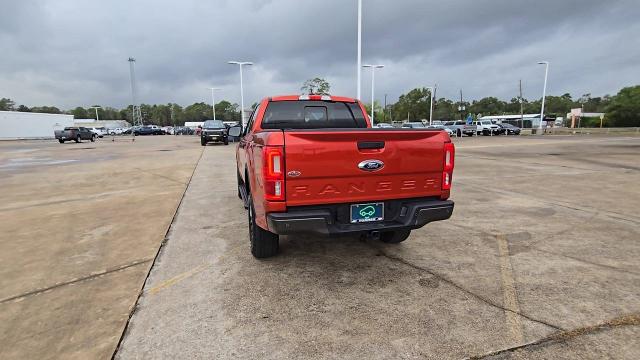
point(193, 124)
point(107, 124)
point(527, 120)
point(28, 125)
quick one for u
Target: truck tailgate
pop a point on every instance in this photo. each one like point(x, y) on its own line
point(322, 166)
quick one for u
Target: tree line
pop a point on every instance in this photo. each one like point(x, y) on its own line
point(622, 109)
point(158, 114)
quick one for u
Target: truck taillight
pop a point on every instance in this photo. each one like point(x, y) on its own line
point(273, 173)
point(447, 168)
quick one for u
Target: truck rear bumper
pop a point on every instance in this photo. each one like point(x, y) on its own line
point(331, 219)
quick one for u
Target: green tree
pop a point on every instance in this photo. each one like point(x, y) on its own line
point(7, 104)
point(23, 108)
point(487, 106)
point(317, 86)
point(414, 105)
point(624, 108)
point(227, 111)
point(378, 117)
point(46, 109)
point(79, 113)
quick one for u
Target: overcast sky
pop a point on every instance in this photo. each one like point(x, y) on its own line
point(71, 53)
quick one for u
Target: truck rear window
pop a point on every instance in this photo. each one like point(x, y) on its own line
point(312, 115)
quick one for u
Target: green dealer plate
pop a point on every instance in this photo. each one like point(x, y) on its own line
point(361, 213)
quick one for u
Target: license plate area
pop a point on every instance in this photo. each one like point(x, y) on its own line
point(363, 213)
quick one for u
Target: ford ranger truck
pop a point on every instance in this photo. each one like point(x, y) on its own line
point(313, 164)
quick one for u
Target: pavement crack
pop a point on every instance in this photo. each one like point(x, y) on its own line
point(77, 280)
point(562, 336)
point(536, 248)
point(161, 176)
point(466, 291)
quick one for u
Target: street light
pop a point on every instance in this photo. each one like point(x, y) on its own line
point(373, 87)
point(96, 108)
point(213, 100)
point(240, 64)
point(544, 90)
point(359, 65)
point(430, 104)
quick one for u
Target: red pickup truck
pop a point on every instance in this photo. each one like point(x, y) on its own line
point(314, 164)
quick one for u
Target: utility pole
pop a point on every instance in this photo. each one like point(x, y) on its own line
point(373, 87)
point(521, 107)
point(240, 64)
point(435, 90)
point(213, 100)
point(136, 115)
point(96, 109)
point(461, 108)
point(384, 111)
point(544, 91)
point(359, 65)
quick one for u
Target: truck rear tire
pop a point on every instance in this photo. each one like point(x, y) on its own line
point(203, 142)
point(264, 244)
point(395, 237)
point(93, 138)
point(78, 139)
point(61, 141)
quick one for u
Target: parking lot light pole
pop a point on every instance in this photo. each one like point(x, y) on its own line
point(430, 104)
point(96, 108)
point(359, 65)
point(240, 64)
point(213, 100)
point(544, 90)
point(373, 88)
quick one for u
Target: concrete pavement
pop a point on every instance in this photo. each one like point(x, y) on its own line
point(540, 259)
point(81, 224)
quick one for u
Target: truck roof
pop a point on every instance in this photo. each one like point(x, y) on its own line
point(312, 97)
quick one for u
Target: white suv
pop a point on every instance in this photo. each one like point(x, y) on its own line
point(486, 127)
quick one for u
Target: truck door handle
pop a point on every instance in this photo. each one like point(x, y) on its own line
point(366, 145)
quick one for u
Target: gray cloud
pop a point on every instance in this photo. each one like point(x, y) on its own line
point(70, 52)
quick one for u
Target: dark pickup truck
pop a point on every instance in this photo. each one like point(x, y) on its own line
point(76, 134)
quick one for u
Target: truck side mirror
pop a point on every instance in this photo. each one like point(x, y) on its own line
point(235, 131)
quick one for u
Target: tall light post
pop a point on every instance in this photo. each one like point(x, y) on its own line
point(240, 64)
point(373, 88)
point(96, 108)
point(544, 90)
point(359, 65)
point(213, 100)
point(430, 104)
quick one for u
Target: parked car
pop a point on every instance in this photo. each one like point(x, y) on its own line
point(413, 125)
point(442, 127)
point(116, 131)
point(510, 129)
point(145, 130)
point(213, 130)
point(184, 130)
point(383, 126)
point(99, 131)
point(486, 127)
point(312, 164)
point(76, 134)
point(461, 127)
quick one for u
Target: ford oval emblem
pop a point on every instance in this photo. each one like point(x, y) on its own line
point(294, 173)
point(371, 165)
